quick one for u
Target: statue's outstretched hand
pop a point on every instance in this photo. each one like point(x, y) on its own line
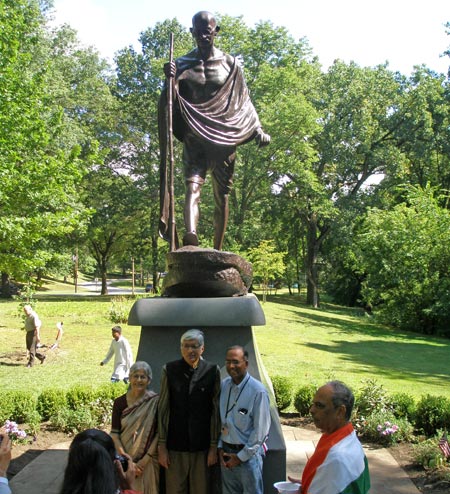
point(262, 139)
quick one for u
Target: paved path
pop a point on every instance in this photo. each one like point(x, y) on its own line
point(44, 474)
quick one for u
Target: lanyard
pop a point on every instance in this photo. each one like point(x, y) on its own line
point(228, 410)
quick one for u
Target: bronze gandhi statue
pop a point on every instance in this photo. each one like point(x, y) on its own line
point(212, 115)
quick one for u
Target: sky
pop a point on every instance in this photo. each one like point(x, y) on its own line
point(404, 33)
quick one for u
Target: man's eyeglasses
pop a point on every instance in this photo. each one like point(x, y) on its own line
point(191, 347)
point(234, 362)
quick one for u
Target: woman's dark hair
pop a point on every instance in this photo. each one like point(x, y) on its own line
point(90, 467)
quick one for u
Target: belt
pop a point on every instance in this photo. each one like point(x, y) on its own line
point(234, 447)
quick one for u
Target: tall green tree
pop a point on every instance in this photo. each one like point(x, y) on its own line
point(406, 257)
point(38, 193)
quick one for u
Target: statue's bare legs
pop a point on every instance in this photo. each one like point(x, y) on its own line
point(220, 216)
point(191, 213)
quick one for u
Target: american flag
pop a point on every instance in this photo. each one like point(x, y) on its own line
point(444, 446)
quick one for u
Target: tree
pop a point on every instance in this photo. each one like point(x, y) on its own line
point(113, 224)
point(406, 260)
point(37, 198)
point(267, 264)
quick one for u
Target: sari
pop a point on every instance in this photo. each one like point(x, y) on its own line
point(135, 429)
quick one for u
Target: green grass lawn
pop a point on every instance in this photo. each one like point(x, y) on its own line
point(308, 345)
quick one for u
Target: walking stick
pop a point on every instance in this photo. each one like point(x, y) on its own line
point(170, 150)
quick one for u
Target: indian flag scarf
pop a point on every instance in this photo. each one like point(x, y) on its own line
point(338, 465)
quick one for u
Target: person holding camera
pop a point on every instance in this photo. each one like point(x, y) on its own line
point(93, 466)
point(134, 427)
point(245, 416)
point(5, 458)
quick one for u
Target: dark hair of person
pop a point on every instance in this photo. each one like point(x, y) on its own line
point(342, 395)
point(90, 466)
point(117, 329)
point(239, 347)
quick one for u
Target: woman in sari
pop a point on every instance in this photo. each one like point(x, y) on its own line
point(134, 427)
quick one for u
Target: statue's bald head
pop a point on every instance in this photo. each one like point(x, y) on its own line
point(203, 17)
point(204, 24)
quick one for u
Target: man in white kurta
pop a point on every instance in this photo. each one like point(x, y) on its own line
point(123, 356)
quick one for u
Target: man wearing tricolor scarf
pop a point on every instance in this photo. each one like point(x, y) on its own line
point(338, 465)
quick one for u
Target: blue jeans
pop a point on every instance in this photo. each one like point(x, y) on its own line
point(246, 478)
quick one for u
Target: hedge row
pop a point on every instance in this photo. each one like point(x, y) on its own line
point(78, 408)
point(376, 412)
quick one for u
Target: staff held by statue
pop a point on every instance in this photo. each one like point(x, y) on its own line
point(170, 82)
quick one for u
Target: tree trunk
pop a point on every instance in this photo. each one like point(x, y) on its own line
point(312, 251)
point(155, 264)
point(6, 292)
point(104, 275)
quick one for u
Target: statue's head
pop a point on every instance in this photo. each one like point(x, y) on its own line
point(204, 27)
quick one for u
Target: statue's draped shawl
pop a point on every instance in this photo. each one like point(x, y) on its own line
point(227, 119)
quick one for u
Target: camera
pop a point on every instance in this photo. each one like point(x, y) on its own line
point(123, 461)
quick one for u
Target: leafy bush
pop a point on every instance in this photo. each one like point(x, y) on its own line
point(111, 390)
point(7, 406)
point(433, 413)
point(101, 409)
point(73, 421)
point(17, 406)
point(50, 401)
point(403, 406)
point(119, 310)
point(428, 454)
point(384, 428)
point(80, 396)
point(303, 399)
point(371, 398)
point(34, 423)
point(282, 387)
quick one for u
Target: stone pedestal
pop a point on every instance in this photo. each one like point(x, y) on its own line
point(225, 321)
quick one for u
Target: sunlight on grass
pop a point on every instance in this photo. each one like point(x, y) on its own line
point(308, 345)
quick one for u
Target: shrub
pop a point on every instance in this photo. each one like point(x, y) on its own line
point(111, 391)
point(50, 401)
point(433, 413)
point(282, 387)
point(371, 398)
point(384, 428)
point(73, 421)
point(101, 410)
point(7, 406)
point(303, 399)
point(17, 406)
point(119, 310)
point(428, 454)
point(80, 396)
point(34, 423)
point(403, 406)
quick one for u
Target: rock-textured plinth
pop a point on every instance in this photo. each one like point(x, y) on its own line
point(196, 272)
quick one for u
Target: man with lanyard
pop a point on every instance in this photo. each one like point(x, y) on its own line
point(245, 415)
point(338, 465)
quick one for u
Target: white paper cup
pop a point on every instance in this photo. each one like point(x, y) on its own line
point(287, 487)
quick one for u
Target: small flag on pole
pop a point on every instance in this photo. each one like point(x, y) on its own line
point(444, 446)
